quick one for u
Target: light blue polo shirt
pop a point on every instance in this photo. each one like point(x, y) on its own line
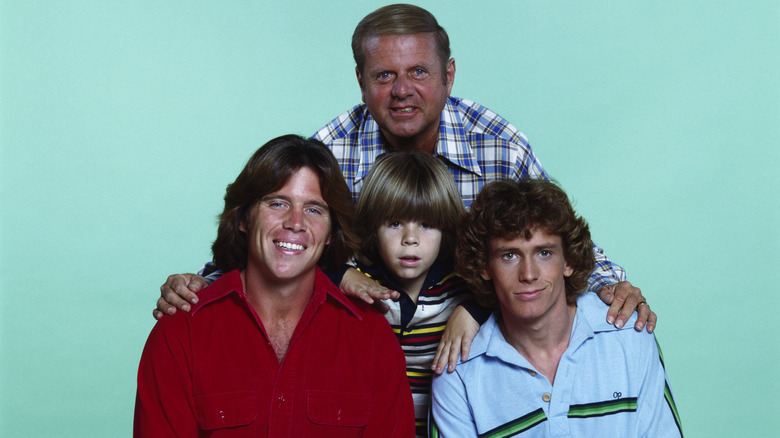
point(609, 381)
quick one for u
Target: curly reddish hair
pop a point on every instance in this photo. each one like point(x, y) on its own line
point(508, 209)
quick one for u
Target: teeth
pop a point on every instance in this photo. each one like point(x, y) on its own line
point(405, 110)
point(287, 245)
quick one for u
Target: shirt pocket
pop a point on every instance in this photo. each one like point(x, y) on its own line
point(230, 409)
point(331, 408)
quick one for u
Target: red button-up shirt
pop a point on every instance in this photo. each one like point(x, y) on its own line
point(215, 373)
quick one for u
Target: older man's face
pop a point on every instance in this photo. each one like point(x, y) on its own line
point(405, 89)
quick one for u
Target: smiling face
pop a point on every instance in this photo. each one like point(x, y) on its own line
point(528, 275)
point(408, 249)
point(288, 229)
point(405, 89)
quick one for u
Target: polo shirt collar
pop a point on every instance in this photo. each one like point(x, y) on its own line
point(589, 319)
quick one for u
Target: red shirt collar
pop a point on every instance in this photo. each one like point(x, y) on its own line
point(230, 282)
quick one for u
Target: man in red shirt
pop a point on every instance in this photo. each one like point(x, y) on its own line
point(273, 348)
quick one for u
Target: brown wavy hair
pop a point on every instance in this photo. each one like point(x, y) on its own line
point(268, 171)
point(408, 186)
point(508, 209)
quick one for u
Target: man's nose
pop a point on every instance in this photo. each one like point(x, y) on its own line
point(294, 220)
point(402, 86)
point(528, 270)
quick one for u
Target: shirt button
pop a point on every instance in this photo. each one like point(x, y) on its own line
point(546, 397)
point(281, 399)
point(532, 373)
point(222, 414)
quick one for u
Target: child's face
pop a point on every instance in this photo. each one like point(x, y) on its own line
point(408, 249)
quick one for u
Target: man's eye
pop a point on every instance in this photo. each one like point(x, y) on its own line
point(545, 253)
point(394, 224)
point(314, 210)
point(509, 256)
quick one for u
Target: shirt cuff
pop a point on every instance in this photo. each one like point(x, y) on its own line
point(479, 313)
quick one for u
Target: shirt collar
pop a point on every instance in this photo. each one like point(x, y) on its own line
point(230, 283)
point(593, 312)
point(589, 319)
point(452, 143)
point(370, 145)
point(437, 274)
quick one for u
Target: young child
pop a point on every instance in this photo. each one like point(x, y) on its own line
point(407, 215)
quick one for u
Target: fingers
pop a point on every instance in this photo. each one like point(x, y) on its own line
point(651, 321)
point(614, 305)
point(465, 347)
point(642, 312)
point(606, 295)
point(163, 308)
point(439, 361)
point(175, 298)
point(626, 299)
point(378, 292)
point(374, 294)
point(363, 295)
point(646, 318)
point(356, 284)
point(197, 284)
point(454, 355)
point(178, 292)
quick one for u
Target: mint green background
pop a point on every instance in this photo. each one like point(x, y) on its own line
point(122, 122)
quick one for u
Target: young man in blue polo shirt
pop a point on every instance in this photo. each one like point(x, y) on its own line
point(546, 363)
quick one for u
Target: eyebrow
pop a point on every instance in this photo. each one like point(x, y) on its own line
point(547, 246)
point(287, 198)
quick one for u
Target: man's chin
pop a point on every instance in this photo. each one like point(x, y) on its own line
point(402, 135)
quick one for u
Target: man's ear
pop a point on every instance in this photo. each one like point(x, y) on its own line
point(242, 226)
point(450, 74)
point(485, 274)
point(568, 269)
point(360, 84)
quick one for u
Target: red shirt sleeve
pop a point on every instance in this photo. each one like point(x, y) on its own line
point(164, 404)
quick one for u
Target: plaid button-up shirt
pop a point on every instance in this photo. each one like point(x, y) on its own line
point(477, 145)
